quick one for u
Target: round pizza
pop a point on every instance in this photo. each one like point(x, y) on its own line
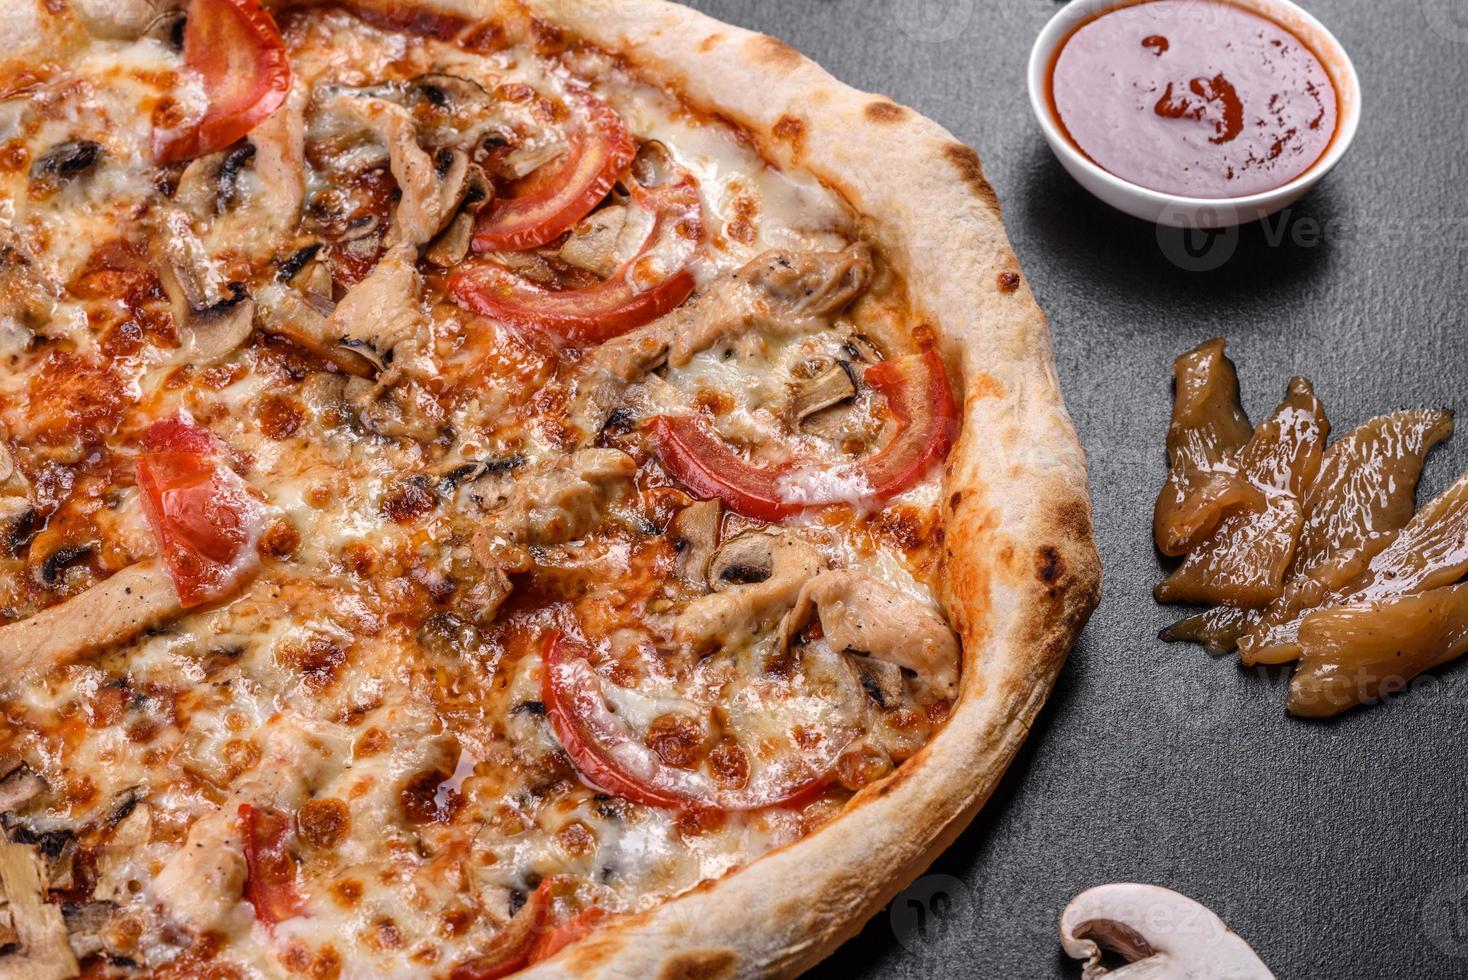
point(540, 485)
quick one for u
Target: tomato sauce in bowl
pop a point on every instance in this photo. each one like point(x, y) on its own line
point(1198, 98)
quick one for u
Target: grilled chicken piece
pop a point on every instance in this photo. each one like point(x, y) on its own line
point(1357, 653)
point(789, 292)
point(859, 613)
point(556, 502)
point(1429, 553)
point(1208, 428)
point(116, 609)
point(420, 211)
point(1243, 561)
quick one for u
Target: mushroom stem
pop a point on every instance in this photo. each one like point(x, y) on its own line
point(1161, 934)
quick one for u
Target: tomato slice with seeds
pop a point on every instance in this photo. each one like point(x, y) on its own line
point(530, 936)
point(926, 419)
point(601, 151)
point(617, 304)
point(270, 882)
point(610, 759)
point(202, 514)
point(236, 48)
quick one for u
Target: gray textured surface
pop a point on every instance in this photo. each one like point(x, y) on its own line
point(1337, 849)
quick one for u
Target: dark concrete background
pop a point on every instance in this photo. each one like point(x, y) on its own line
point(1336, 849)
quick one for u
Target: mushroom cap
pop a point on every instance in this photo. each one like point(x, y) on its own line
point(1160, 933)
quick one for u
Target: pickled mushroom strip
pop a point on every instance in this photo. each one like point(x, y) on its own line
point(1243, 562)
point(1365, 492)
point(1217, 630)
point(1361, 652)
point(1430, 552)
point(1208, 428)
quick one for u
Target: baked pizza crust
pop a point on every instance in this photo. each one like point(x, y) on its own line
point(1021, 570)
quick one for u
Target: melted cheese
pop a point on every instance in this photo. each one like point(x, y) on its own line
point(351, 677)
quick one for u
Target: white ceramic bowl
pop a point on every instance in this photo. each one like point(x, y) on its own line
point(1175, 209)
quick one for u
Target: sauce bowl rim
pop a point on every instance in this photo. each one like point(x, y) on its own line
point(1324, 44)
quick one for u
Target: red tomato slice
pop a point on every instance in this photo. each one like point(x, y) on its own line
point(922, 406)
point(704, 463)
point(921, 402)
point(513, 947)
point(237, 49)
point(613, 306)
point(270, 882)
point(601, 151)
point(202, 515)
point(609, 758)
point(559, 936)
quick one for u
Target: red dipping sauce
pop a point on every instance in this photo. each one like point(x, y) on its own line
point(1193, 97)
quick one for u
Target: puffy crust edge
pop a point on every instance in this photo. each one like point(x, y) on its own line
point(1021, 570)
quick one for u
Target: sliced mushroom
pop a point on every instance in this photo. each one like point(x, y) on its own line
point(213, 317)
point(757, 577)
point(88, 927)
point(830, 387)
point(20, 786)
point(308, 271)
point(286, 313)
point(28, 295)
point(881, 680)
point(1158, 932)
point(452, 244)
point(857, 612)
point(42, 952)
point(694, 533)
point(65, 162)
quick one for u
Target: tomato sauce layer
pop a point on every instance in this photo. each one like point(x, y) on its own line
point(1195, 98)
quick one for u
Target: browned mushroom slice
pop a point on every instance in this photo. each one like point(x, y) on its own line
point(1208, 428)
point(1364, 651)
point(694, 533)
point(1430, 552)
point(1243, 562)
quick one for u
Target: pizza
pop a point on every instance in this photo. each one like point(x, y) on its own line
point(550, 486)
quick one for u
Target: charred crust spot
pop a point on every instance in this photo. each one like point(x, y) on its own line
point(1008, 281)
point(1050, 565)
point(884, 111)
point(703, 964)
point(775, 52)
point(549, 38)
point(971, 171)
point(955, 500)
point(790, 129)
